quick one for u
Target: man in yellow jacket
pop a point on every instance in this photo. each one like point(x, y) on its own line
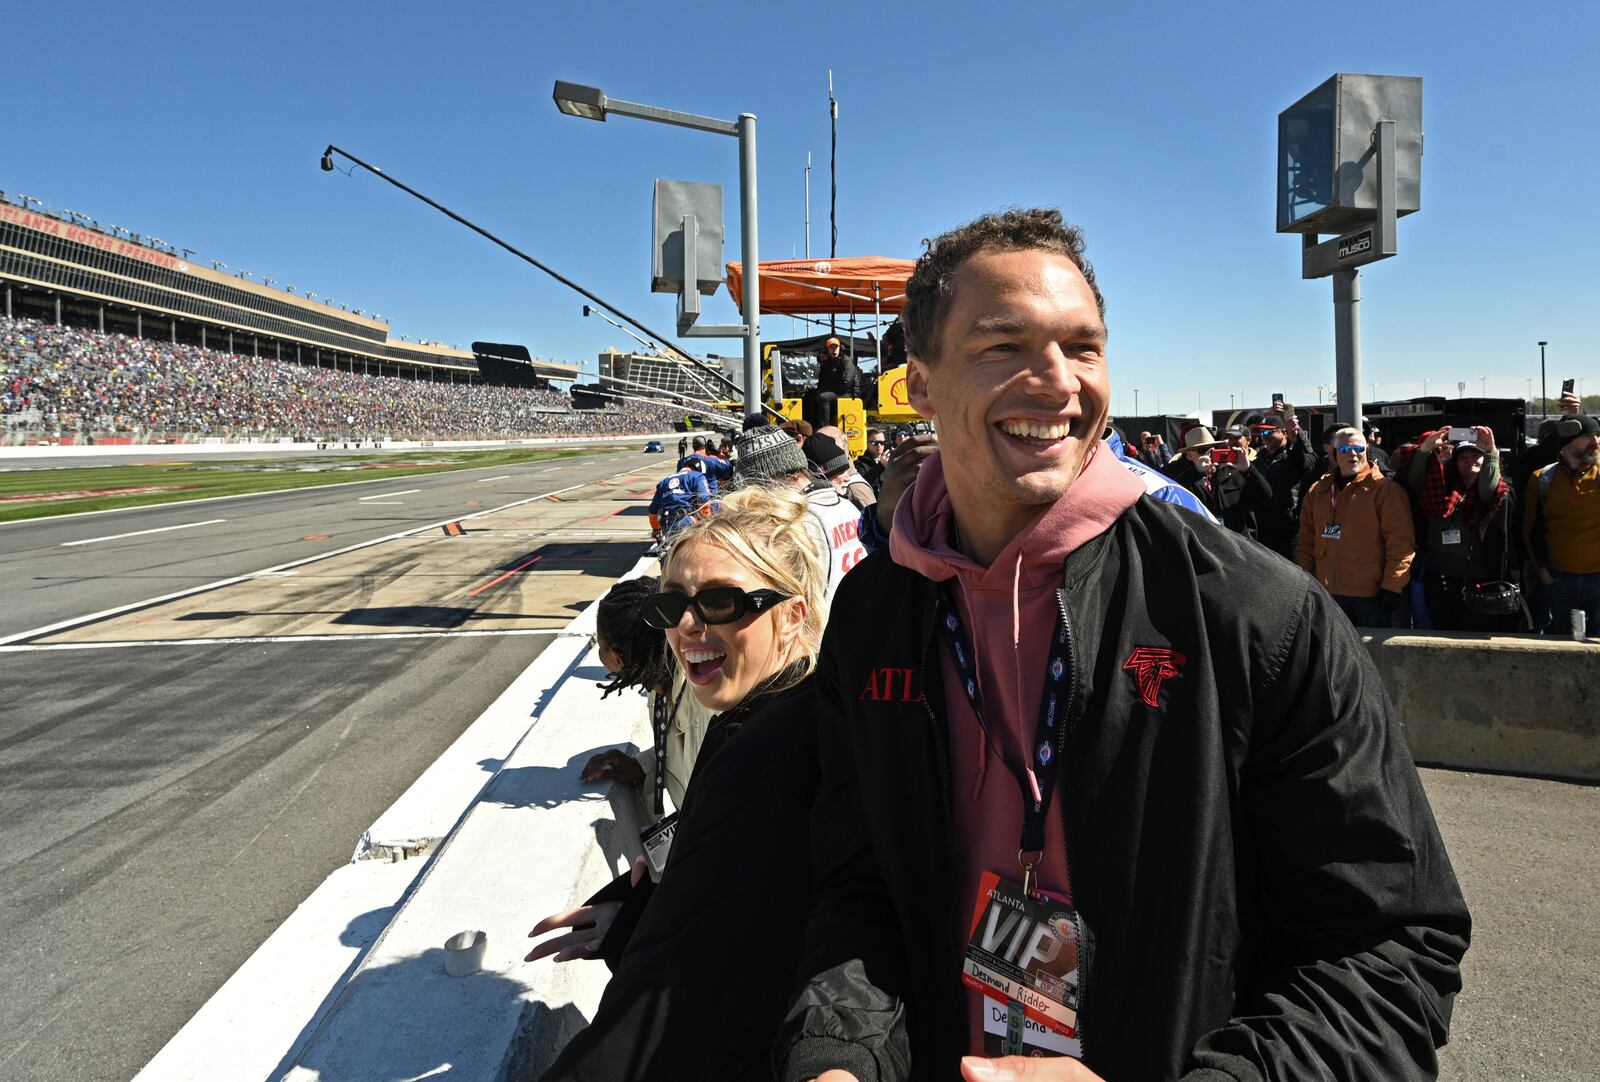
point(1356, 534)
point(1561, 524)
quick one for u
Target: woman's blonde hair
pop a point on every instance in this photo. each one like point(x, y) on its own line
point(772, 530)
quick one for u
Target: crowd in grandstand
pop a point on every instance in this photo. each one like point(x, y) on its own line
point(58, 382)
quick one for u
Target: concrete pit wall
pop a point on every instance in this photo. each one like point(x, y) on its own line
point(1516, 704)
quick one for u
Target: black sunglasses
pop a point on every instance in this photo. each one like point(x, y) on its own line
point(717, 605)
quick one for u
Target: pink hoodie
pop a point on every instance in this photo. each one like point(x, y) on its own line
point(998, 602)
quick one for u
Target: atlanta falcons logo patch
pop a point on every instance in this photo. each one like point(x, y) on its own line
point(1151, 667)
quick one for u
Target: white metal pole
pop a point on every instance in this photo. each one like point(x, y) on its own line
point(808, 204)
point(752, 263)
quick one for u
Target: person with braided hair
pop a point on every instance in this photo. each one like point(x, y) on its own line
point(633, 652)
point(635, 655)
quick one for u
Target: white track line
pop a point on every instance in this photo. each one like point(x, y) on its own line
point(486, 480)
point(386, 495)
point(235, 496)
point(141, 533)
point(387, 503)
point(252, 639)
point(78, 621)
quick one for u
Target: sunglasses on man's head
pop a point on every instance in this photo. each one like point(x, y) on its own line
point(716, 605)
point(1352, 449)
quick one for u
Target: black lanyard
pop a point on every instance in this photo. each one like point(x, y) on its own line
point(661, 716)
point(1037, 781)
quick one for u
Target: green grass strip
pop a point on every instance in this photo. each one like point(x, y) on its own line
point(105, 487)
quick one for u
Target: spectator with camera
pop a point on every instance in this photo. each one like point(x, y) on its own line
point(1356, 534)
point(1463, 514)
point(1285, 462)
point(1545, 450)
point(1222, 476)
point(1156, 483)
point(1152, 451)
point(1561, 524)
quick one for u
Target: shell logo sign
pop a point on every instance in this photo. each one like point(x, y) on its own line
point(894, 404)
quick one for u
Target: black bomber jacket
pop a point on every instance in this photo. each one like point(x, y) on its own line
point(1263, 888)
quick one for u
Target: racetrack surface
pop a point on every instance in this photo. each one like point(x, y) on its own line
point(177, 776)
point(75, 566)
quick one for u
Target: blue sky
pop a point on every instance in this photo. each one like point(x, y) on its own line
point(1153, 127)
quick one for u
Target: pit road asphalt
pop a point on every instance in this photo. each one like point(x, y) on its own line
point(166, 807)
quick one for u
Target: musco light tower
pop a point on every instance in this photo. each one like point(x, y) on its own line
point(1349, 162)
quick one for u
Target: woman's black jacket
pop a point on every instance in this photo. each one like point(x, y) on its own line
point(706, 973)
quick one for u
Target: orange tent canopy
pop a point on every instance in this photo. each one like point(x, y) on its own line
point(794, 287)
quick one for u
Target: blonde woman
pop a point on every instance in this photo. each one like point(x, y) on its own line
point(705, 960)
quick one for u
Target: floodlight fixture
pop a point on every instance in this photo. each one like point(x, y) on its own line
point(591, 103)
point(327, 159)
point(575, 99)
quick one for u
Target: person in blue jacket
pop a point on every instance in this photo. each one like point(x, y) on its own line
point(1156, 483)
point(717, 470)
point(677, 497)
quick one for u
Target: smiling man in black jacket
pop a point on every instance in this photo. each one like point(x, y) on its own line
point(1205, 855)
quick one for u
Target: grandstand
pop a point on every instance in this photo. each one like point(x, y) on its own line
point(63, 268)
point(65, 385)
point(655, 375)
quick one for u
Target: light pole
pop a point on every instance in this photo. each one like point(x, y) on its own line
point(1136, 401)
point(1544, 393)
point(591, 103)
